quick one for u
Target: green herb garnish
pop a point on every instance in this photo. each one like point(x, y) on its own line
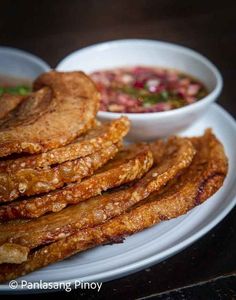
point(15, 90)
point(145, 96)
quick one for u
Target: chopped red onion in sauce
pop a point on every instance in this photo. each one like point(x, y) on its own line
point(146, 89)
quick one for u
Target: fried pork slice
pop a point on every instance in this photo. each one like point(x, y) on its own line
point(30, 181)
point(62, 107)
point(178, 155)
point(7, 104)
point(12, 253)
point(102, 136)
point(200, 181)
point(129, 164)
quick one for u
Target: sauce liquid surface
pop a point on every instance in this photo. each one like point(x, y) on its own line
point(143, 89)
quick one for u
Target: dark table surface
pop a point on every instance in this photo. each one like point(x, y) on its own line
point(52, 29)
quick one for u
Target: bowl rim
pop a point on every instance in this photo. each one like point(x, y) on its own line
point(25, 55)
point(211, 97)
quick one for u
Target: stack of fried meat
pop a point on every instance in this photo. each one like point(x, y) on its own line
point(67, 182)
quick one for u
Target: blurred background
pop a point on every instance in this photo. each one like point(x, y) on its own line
point(53, 29)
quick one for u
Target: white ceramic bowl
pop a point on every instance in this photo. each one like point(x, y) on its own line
point(148, 126)
point(21, 64)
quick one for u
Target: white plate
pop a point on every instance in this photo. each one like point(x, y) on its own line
point(153, 245)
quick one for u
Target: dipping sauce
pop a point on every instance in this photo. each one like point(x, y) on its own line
point(142, 89)
point(14, 85)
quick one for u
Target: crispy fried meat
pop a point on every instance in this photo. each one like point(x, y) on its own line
point(62, 107)
point(102, 136)
point(178, 155)
point(7, 104)
point(30, 181)
point(199, 182)
point(130, 164)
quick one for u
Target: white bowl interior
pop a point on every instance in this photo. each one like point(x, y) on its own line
point(142, 52)
point(18, 63)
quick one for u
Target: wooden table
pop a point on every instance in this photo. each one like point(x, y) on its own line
point(52, 29)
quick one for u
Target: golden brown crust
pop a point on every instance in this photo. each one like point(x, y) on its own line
point(130, 164)
point(13, 253)
point(63, 107)
point(200, 181)
point(102, 136)
point(158, 149)
point(178, 155)
point(7, 104)
point(30, 181)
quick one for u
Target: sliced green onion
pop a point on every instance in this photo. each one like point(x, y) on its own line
point(15, 90)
